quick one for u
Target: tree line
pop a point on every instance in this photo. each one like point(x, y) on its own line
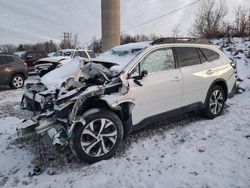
point(211, 21)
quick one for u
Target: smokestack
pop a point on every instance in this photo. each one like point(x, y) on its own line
point(110, 24)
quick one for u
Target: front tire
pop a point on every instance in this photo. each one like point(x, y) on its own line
point(215, 101)
point(17, 81)
point(99, 138)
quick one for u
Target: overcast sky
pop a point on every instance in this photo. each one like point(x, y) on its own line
point(31, 21)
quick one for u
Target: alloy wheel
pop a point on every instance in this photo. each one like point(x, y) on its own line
point(216, 102)
point(99, 137)
point(17, 81)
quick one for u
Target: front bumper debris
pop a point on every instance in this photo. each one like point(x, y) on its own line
point(36, 125)
point(26, 128)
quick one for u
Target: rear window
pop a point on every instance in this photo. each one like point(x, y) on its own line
point(187, 56)
point(210, 54)
point(5, 59)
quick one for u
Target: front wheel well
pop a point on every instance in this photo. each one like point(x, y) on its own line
point(17, 73)
point(123, 111)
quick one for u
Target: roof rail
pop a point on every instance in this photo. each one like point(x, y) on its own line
point(180, 40)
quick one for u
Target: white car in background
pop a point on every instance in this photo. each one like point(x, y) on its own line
point(59, 58)
point(93, 104)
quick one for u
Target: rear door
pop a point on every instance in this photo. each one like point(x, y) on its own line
point(158, 92)
point(197, 74)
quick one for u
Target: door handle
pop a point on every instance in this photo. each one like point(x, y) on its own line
point(210, 71)
point(176, 79)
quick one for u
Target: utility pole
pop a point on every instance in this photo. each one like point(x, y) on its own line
point(110, 24)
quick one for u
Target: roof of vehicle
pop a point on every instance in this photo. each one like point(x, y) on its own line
point(6, 55)
point(169, 40)
point(66, 50)
point(20, 53)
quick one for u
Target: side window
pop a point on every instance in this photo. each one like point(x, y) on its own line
point(76, 54)
point(17, 59)
point(187, 56)
point(202, 56)
point(159, 60)
point(210, 54)
point(5, 60)
point(83, 54)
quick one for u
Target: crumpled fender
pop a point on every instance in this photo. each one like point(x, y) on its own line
point(82, 98)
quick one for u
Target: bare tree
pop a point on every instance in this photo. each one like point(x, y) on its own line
point(209, 19)
point(8, 48)
point(241, 16)
point(96, 45)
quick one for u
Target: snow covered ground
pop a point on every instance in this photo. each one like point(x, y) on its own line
point(186, 152)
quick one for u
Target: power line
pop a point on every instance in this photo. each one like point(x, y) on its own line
point(159, 17)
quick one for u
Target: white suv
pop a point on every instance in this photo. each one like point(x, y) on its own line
point(126, 88)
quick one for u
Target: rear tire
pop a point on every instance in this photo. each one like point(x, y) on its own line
point(214, 102)
point(17, 81)
point(99, 138)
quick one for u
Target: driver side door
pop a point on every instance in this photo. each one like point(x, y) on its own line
point(160, 90)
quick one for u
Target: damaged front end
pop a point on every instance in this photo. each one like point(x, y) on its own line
point(56, 110)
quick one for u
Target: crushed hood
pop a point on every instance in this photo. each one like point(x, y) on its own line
point(76, 69)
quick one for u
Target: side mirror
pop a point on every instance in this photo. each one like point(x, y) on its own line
point(144, 73)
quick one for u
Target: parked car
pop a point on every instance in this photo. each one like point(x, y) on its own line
point(62, 57)
point(13, 71)
point(30, 57)
point(93, 104)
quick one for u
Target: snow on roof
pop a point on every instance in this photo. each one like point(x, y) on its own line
point(123, 54)
point(131, 46)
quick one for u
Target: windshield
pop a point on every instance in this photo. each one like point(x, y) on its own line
point(123, 55)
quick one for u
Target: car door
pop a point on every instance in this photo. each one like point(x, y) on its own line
point(160, 90)
point(197, 74)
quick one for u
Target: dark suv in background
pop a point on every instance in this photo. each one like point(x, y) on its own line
point(30, 57)
point(13, 71)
